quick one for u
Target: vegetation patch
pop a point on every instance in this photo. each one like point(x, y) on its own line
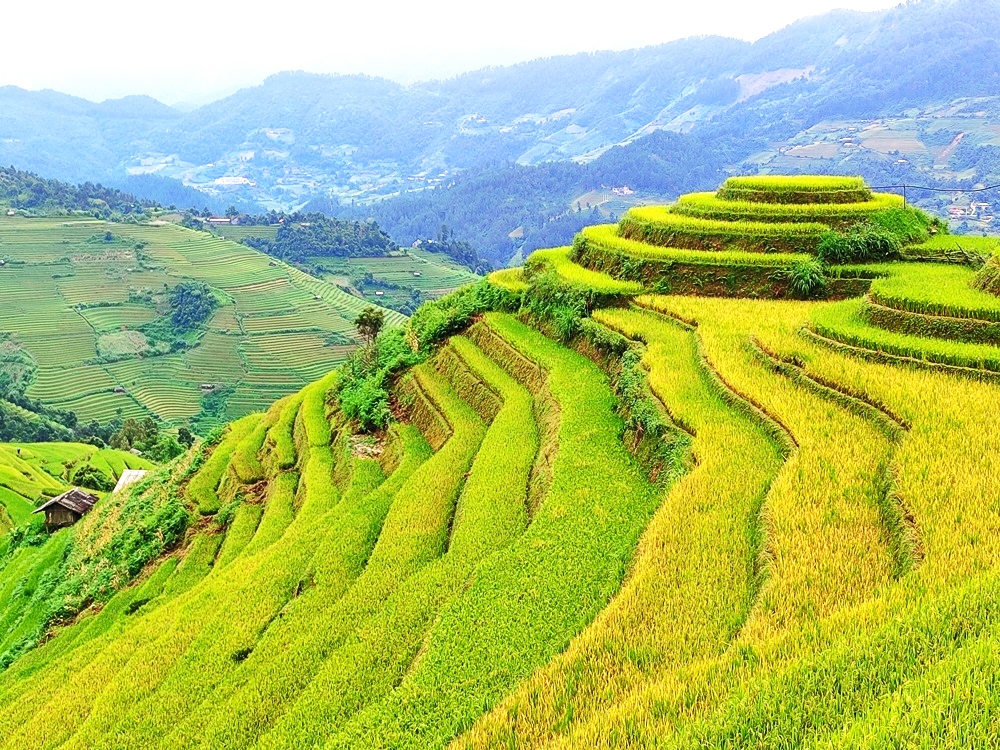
point(122, 344)
point(988, 278)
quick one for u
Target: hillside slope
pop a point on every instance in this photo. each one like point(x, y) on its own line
point(105, 288)
point(602, 515)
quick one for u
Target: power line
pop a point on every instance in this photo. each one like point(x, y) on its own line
point(936, 189)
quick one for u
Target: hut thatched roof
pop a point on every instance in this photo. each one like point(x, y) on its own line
point(76, 500)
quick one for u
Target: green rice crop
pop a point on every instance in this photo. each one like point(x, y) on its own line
point(709, 206)
point(657, 225)
point(524, 605)
point(314, 410)
point(578, 276)
point(341, 544)
point(511, 279)
point(941, 244)
point(280, 438)
point(676, 603)
point(413, 534)
point(795, 189)
point(239, 533)
point(272, 312)
point(490, 513)
point(842, 322)
point(202, 489)
point(606, 236)
point(245, 459)
point(932, 289)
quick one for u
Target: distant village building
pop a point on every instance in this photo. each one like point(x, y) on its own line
point(975, 210)
point(623, 190)
point(129, 477)
point(67, 508)
point(222, 220)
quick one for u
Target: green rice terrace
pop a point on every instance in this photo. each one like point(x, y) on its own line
point(722, 475)
point(83, 300)
point(400, 280)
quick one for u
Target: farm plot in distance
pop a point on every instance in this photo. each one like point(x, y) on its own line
point(77, 293)
point(400, 280)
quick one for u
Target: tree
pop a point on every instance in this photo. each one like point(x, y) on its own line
point(184, 437)
point(191, 304)
point(369, 324)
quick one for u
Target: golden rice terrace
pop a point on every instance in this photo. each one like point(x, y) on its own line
point(726, 474)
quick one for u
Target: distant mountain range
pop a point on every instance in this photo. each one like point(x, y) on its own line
point(911, 93)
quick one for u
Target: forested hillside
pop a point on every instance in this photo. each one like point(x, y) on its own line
point(905, 95)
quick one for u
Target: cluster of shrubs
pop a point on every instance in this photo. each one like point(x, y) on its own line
point(366, 379)
point(877, 240)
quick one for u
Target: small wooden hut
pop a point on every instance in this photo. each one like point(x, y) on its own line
point(67, 509)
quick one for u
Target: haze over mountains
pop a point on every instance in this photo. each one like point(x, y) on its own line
point(801, 99)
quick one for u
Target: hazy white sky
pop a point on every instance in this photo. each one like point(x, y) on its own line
point(197, 50)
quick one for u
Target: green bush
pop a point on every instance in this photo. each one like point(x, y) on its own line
point(908, 224)
point(861, 244)
point(807, 279)
point(364, 389)
point(561, 305)
point(436, 321)
point(367, 401)
point(93, 478)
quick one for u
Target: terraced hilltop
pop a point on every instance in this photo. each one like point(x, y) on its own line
point(78, 293)
point(720, 476)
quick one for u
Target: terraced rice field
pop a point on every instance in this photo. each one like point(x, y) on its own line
point(699, 521)
point(431, 274)
point(63, 287)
